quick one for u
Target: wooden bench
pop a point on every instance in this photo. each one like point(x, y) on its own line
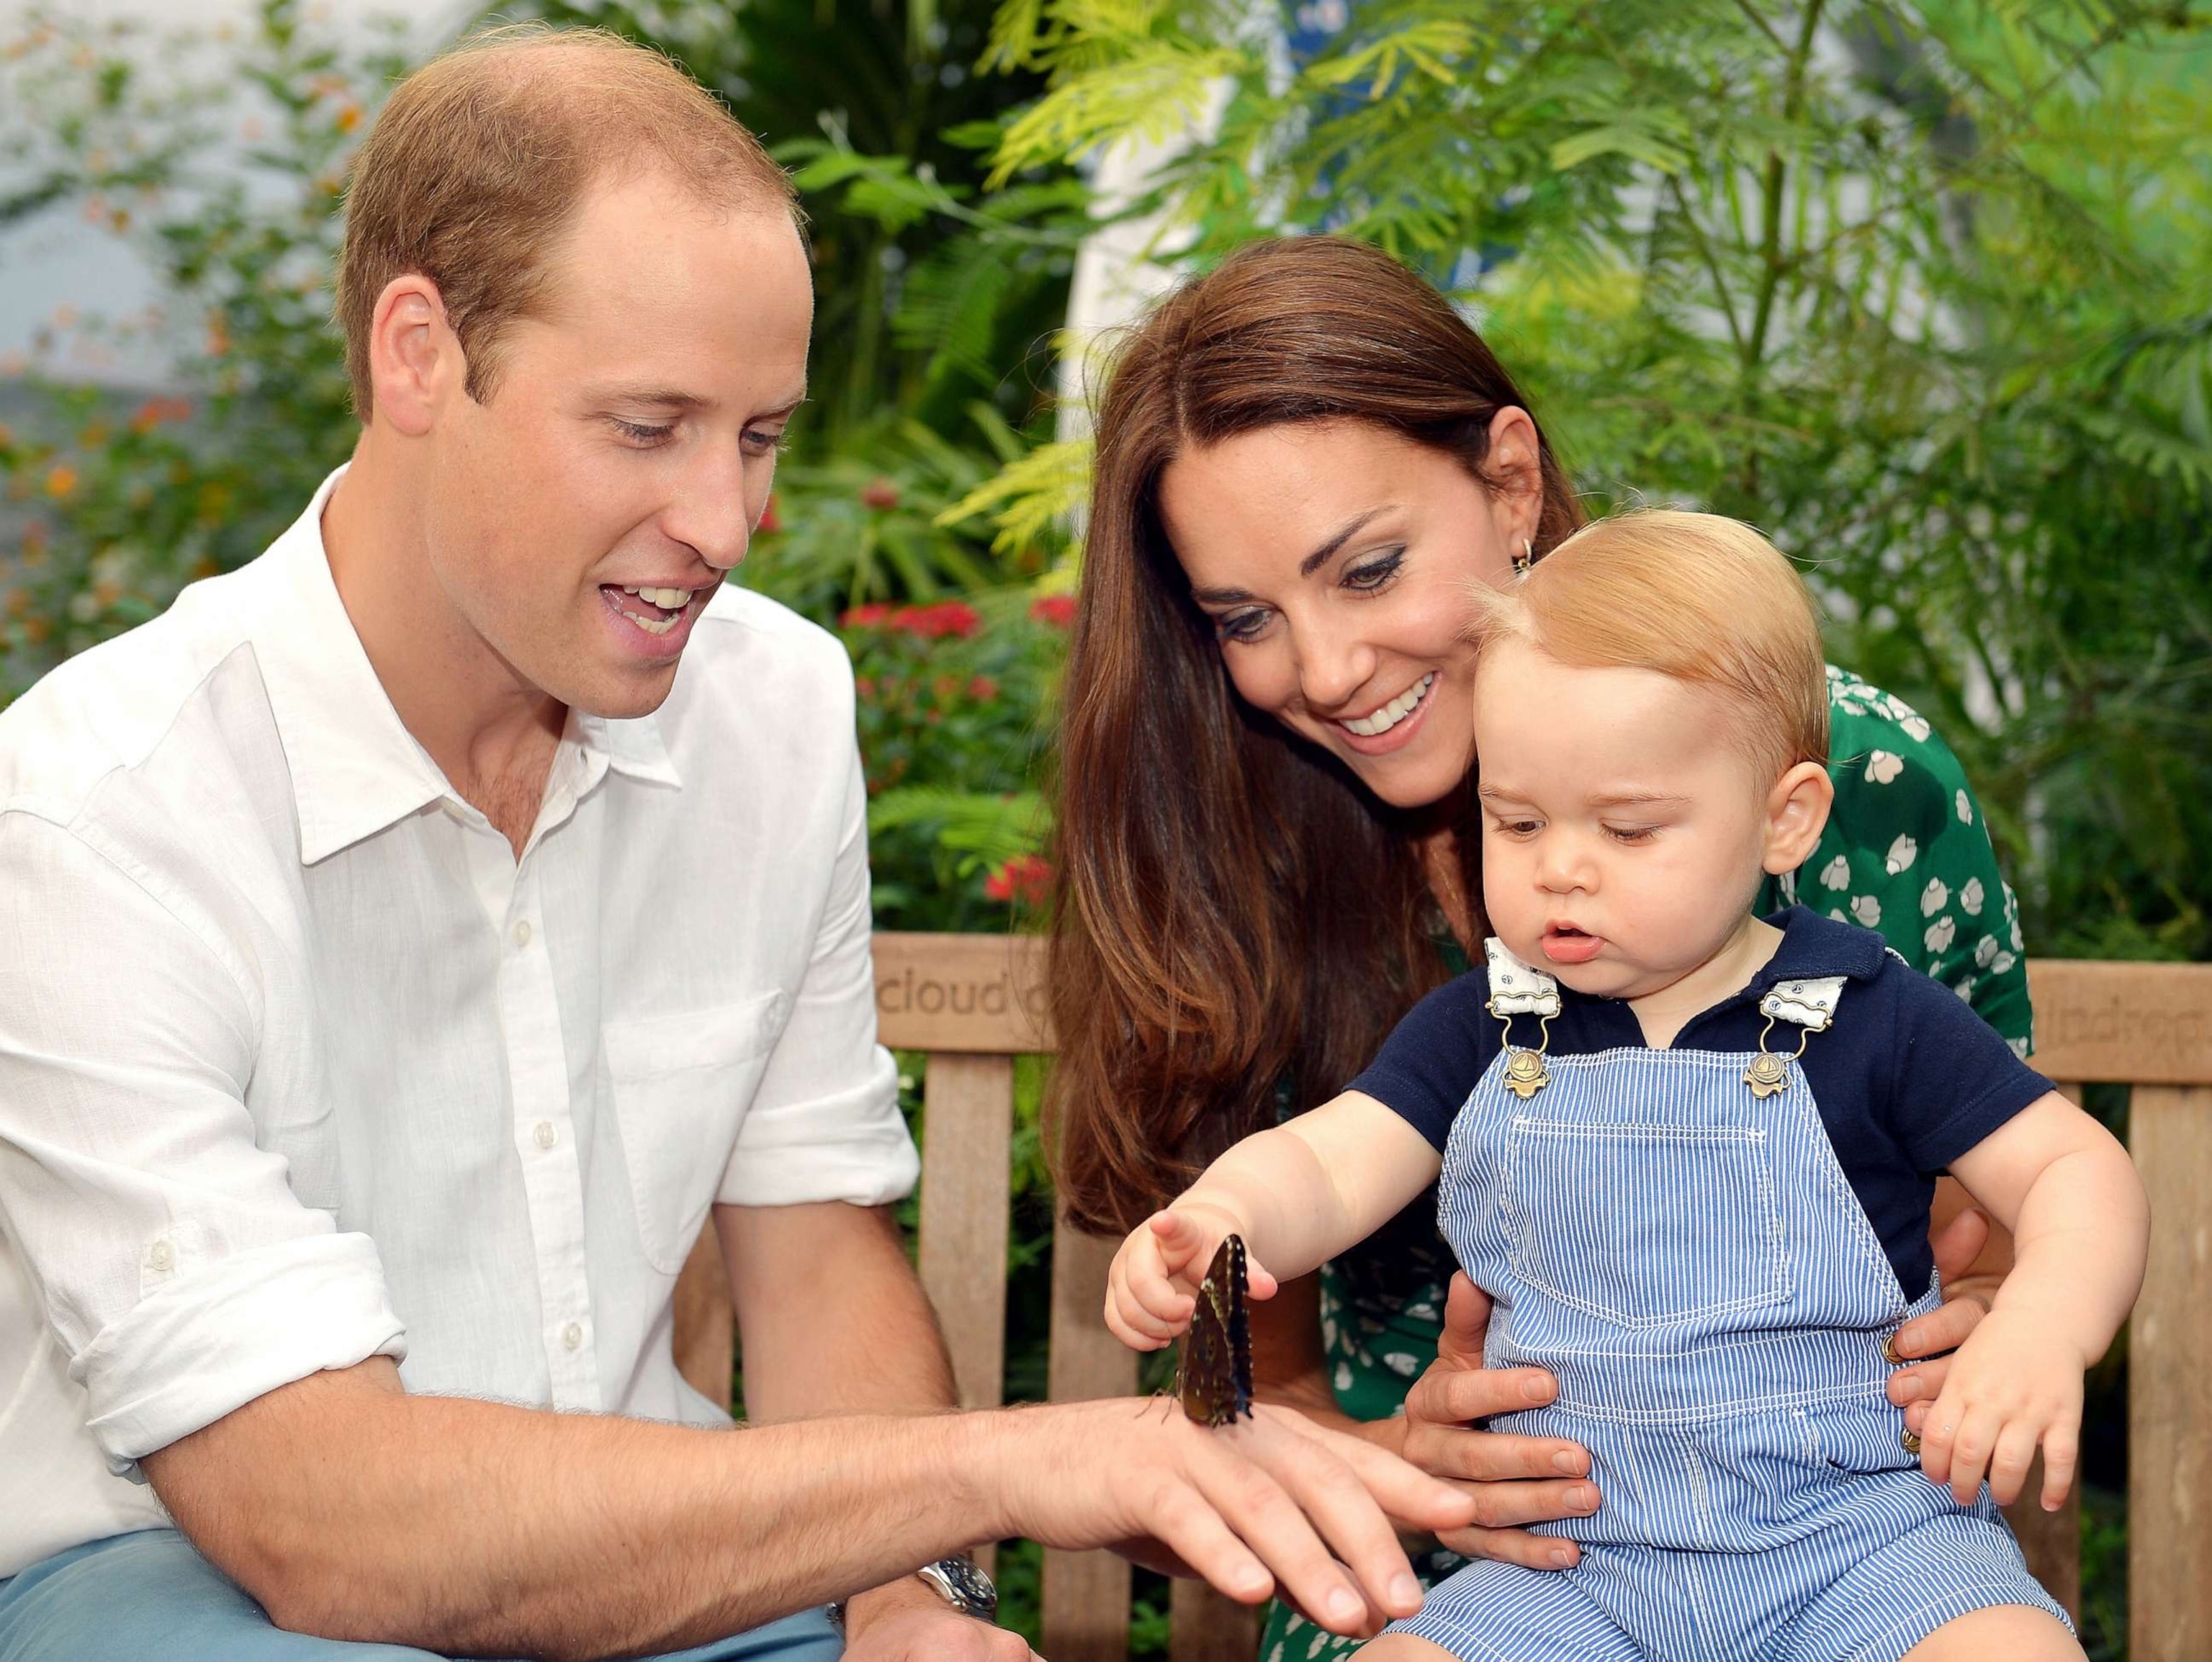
point(973, 1002)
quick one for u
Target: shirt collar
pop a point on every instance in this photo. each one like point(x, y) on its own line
point(1814, 947)
point(633, 747)
point(356, 768)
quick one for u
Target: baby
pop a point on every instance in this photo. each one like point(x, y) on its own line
point(1689, 1153)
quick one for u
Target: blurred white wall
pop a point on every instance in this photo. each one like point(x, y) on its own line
point(56, 260)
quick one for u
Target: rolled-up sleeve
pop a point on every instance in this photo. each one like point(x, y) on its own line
point(825, 1122)
point(181, 1273)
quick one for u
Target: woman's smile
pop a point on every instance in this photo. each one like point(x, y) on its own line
point(1389, 727)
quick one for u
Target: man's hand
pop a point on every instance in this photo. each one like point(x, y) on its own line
point(1511, 1479)
point(906, 1622)
point(1272, 1500)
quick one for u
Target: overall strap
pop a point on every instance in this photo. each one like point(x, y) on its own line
point(1807, 1005)
point(1517, 988)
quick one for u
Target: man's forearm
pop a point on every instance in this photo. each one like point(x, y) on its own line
point(478, 1528)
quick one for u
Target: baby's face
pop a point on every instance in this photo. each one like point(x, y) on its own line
point(1623, 835)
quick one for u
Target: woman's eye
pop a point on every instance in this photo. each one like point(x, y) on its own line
point(1374, 573)
point(763, 444)
point(1239, 625)
point(639, 434)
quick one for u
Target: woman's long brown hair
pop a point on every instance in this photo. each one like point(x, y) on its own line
point(1232, 906)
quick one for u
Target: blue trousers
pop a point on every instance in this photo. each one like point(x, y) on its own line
point(149, 1595)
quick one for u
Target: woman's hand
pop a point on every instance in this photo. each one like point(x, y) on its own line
point(1968, 1288)
point(1512, 1480)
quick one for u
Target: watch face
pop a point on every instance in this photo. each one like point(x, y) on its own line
point(966, 1586)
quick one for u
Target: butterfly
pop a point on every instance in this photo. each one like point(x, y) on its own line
point(1215, 1377)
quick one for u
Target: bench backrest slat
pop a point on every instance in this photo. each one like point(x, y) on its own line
point(973, 1002)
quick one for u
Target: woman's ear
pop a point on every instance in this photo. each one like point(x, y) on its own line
point(1796, 814)
point(1515, 466)
point(413, 353)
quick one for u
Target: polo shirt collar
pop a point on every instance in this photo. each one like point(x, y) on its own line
point(1813, 948)
point(356, 768)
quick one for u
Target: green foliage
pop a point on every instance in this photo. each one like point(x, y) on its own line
point(953, 703)
point(1917, 288)
point(919, 310)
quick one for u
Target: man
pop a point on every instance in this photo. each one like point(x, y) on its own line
point(409, 941)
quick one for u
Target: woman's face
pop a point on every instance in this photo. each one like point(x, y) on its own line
point(1334, 559)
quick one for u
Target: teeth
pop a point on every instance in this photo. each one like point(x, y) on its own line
point(1395, 711)
point(652, 625)
point(669, 600)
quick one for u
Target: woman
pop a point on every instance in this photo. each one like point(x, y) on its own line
point(1267, 761)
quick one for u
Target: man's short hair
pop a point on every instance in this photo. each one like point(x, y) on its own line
point(1694, 597)
point(481, 157)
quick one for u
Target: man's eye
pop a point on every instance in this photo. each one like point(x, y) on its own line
point(639, 433)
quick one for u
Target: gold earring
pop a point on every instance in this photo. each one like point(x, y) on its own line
point(1526, 558)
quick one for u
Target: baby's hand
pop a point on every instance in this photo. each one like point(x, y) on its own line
point(2013, 1385)
point(1152, 1288)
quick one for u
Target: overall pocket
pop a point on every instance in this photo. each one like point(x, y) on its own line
point(1645, 1225)
point(681, 1086)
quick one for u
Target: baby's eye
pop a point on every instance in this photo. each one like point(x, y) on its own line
point(1631, 833)
point(1519, 827)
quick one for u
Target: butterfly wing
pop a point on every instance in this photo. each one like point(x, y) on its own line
point(1215, 1379)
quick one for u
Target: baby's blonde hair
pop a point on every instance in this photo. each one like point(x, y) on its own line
point(1695, 597)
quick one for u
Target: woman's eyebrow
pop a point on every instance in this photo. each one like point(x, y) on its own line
point(1313, 562)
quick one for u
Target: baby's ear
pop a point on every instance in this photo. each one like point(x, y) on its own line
point(1796, 812)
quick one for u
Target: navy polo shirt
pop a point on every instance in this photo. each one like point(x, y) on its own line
point(1907, 1079)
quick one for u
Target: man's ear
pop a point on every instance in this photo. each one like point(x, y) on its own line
point(415, 359)
point(1796, 812)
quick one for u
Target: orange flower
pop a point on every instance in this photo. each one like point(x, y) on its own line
point(348, 117)
point(61, 479)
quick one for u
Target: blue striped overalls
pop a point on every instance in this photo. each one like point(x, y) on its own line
point(1686, 1257)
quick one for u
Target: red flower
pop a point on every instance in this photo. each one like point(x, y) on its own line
point(880, 493)
point(865, 685)
point(768, 522)
point(1057, 610)
point(1026, 877)
point(933, 623)
point(865, 617)
point(982, 689)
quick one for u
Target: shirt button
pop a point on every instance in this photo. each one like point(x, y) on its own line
point(522, 932)
point(162, 1257)
point(546, 1135)
point(573, 1335)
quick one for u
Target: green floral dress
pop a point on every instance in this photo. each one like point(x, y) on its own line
point(1905, 852)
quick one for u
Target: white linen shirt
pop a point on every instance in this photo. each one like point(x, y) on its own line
point(299, 1064)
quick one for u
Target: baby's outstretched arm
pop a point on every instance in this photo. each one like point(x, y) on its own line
point(1298, 1195)
point(2070, 1196)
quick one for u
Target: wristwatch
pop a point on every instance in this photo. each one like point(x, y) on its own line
point(957, 1580)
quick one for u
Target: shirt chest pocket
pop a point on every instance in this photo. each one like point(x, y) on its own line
point(681, 1086)
point(1645, 1226)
